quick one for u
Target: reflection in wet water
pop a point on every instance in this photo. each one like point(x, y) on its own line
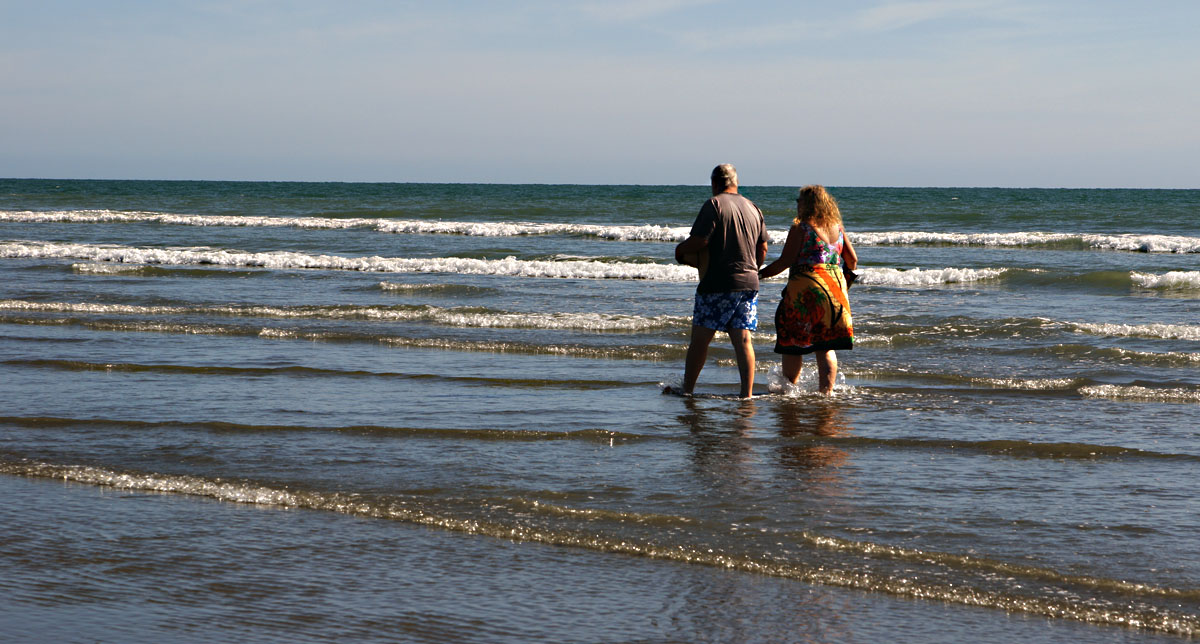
point(719, 435)
point(735, 444)
point(800, 422)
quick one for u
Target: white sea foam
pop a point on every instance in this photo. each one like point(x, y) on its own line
point(450, 317)
point(436, 315)
point(925, 277)
point(1036, 384)
point(1015, 384)
point(399, 287)
point(807, 384)
point(1140, 243)
point(1169, 357)
point(870, 339)
point(1163, 331)
point(399, 226)
point(902, 238)
point(106, 269)
point(1120, 392)
point(1173, 280)
point(225, 491)
point(280, 334)
point(88, 307)
point(510, 266)
point(1126, 242)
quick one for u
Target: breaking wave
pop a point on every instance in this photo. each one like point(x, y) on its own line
point(649, 232)
point(398, 226)
point(1148, 394)
point(509, 266)
point(1125, 242)
point(644, 352)
point(459, 316)
point(287, 260)
point(925, 277)
point(1184, 280)
point(1160, 331)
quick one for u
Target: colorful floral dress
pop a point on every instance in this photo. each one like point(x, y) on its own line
point(814, 314)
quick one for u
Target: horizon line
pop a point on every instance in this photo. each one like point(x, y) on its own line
point(597, 185)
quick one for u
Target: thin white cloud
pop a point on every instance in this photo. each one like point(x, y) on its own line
point(631, 10)
point(754, 37)
point(890, 17)
point(809, 27)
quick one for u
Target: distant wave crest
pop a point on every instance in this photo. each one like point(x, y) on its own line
point(399, 226)
point(1136, 243)
point(648, 232)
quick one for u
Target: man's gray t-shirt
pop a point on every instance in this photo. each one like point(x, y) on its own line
point(734, 228)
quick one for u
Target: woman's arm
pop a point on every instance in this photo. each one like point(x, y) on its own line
point(848, 254)
point(790, 248)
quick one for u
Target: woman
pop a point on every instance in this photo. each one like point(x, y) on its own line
point(814, 315)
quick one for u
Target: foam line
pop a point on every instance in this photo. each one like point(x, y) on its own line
point(398, 226)
point(1125, 242)
point(1183, 280)
point(649, 232)
point(925, 277)
point(509, 266)
point(462, 317)
point(287, 260)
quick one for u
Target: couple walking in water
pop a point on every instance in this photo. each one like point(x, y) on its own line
point(728, 243)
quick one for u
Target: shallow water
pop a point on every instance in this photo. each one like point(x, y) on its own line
point(432, 412)
point(95, 564)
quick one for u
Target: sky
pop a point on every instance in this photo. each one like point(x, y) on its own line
point(1074, 93)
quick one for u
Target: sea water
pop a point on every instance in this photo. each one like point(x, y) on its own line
point(432, 412)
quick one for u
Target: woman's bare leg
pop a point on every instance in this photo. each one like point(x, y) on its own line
point(791, 367)
point(826, 370)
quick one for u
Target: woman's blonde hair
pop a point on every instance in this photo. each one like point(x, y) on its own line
point(817, 207)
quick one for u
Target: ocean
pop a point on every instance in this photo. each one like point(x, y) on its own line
point(433, 412)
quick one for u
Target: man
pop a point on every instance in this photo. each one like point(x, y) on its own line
point(731, 231)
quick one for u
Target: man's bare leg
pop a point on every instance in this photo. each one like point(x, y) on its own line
point(697, 353)
point(743, 347)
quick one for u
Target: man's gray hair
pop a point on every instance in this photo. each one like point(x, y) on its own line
point(724, 175)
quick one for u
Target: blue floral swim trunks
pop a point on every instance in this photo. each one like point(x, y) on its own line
point(724, 311)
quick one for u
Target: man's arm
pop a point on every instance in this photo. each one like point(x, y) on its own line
point(698, 236)
point(692, 244)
